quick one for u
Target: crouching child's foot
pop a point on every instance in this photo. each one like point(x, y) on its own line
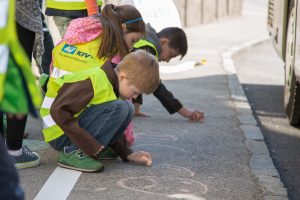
point(77, 160)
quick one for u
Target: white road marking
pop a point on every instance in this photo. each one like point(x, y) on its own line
point(59, 185)
point(177, 68)
point(185, 196)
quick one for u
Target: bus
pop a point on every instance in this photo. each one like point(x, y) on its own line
point(282, 24)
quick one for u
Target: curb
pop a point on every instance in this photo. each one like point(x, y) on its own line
point(261, 163)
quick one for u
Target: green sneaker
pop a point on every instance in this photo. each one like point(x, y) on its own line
point(107, 154)
point(77, 160)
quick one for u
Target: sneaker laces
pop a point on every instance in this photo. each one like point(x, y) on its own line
point(26, 150)
point(26, 156)
point(80, 154)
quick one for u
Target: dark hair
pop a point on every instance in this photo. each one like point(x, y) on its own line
point(177, 39)
point(112, 18)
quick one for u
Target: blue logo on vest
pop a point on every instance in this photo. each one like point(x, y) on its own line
point(69, 49)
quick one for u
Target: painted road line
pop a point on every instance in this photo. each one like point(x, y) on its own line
point(59, 185)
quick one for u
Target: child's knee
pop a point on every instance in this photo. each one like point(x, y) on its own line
point(125, 108)
point(130, 108)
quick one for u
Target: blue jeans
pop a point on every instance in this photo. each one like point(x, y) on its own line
point(105, 122)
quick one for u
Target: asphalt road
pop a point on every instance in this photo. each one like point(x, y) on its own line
point(261, 74)
point(206, 160)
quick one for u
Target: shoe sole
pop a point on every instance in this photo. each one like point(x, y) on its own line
point(29, 164)
point(107, 158)
point(80, 169)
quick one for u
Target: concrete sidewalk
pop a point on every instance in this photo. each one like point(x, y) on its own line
point(206, 160)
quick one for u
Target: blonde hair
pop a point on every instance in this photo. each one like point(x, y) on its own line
point(142, 70)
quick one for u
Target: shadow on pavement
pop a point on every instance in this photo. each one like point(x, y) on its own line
point(282, 139)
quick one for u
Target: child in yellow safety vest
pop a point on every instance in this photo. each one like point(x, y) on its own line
point(89, 116)
point(89, 42)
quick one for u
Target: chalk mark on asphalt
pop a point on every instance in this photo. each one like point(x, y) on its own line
point(163, 185)
point(160, 136)
point(162, 145)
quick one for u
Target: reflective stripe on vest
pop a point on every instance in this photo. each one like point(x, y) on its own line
point(47, 103)
point(57, 73)
point(4, 50)
point(48, 121)
point(143, 43)
point(103, 92)
point(69, 4)
point(4, 13)
point(4, 54)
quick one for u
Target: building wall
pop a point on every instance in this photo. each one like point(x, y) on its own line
point(193, 12)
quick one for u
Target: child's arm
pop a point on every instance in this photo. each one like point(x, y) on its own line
point(92, 7)
point(71, 99)
point(167, 99)
point(173, 105)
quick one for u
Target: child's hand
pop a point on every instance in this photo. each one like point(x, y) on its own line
point(196, 116)
point(138, 113)
point(141, 157)
point(141, 114)
point(192, 115)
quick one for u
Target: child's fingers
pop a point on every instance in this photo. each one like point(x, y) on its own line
point(197, 116)
point(148, 155)
point(200, 116)
point(146, 158)
point(147, 161)
point(140, 114)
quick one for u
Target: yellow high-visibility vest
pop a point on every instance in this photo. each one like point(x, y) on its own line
point(143, 43)
point(69, 4)
point(103, 92)
point(67, 59)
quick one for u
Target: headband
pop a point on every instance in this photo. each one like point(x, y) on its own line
point(133, 20)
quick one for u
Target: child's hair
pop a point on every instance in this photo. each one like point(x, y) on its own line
point(112, 18)
point(177, 39)
point(142, 70)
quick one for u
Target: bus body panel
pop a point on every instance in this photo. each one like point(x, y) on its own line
point(277, 24)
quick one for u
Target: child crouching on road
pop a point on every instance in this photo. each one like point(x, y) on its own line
point(86, 115)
